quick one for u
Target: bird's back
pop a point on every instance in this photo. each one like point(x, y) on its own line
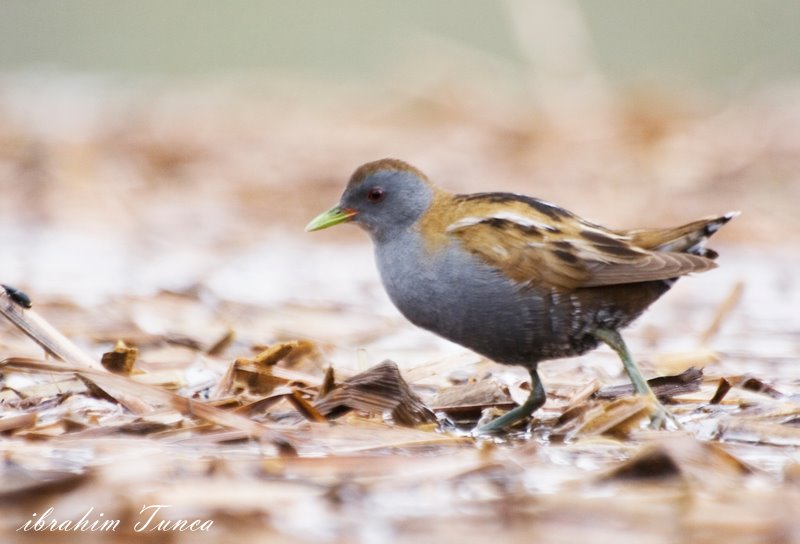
point(499, 299)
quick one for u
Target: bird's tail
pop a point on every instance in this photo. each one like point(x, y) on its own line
point(689, 238)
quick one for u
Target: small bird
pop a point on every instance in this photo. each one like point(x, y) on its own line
point(514, 278)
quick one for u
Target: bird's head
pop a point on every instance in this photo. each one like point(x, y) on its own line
point(384, 197)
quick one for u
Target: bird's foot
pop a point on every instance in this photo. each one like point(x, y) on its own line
point(662, 419)
point(503, 422)
point(534, 401)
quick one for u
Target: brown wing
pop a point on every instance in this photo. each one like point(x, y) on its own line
point(573, 255)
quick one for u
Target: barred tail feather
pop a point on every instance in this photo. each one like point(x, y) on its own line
point(690, 238)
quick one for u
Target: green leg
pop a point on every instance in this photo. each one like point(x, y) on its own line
point(660, 415)
point(534, 402)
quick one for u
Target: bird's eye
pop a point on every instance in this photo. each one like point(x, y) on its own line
point(375, 194)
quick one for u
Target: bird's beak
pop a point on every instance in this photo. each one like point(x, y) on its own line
point(332, 217)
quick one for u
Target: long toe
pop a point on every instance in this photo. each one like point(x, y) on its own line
point(524, 411)
point(662, 419)
point(503, 422)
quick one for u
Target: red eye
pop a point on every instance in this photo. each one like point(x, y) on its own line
point(375, 194)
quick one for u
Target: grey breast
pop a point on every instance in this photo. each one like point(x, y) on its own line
point(462, 299)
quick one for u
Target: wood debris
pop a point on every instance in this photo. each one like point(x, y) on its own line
point(375, 391)
point(722, 390)
point(665, 387)
point(471, 398)
point(121, 360)
point(18, 421)
point(618, 416)
point(273, 354)
point(704, 464)
point(217, 348)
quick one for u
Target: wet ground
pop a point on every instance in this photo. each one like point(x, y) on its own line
point(171, 218)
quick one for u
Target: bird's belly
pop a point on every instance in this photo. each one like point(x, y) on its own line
point(471, 304)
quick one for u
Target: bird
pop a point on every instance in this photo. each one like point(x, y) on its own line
point(514, 278)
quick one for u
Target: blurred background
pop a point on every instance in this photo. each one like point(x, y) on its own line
point(148, 145)
point(160, 159)
point(731, 45)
